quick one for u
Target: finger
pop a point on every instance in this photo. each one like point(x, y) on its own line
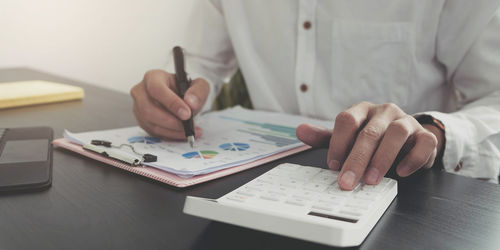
point(197, 94)
point(431, 160)
point(148, 111)
point(366, 143)
point(168, 134)
point(161, 86)
point(395, 137)
point(425, 145)
point(313, 135)
point(154, 129)
point(347, 124)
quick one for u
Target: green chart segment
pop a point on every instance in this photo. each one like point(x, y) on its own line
point(268, 133)
point(207, 154)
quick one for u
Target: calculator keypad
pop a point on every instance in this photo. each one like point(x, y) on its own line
point(294, 188)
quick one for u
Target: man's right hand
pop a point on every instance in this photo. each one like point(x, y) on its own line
point(159, 110)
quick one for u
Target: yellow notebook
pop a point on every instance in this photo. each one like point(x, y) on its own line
point(15, 94)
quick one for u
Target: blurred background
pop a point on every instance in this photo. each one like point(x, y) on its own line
point(109, 43)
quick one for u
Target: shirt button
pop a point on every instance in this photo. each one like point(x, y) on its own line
point(307, 25)
point(303, 87)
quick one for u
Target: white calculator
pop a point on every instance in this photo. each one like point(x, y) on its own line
point(301, 202)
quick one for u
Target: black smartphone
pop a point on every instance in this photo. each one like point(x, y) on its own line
point(25, 158)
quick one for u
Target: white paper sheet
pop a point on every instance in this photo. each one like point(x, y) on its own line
point(230, 137)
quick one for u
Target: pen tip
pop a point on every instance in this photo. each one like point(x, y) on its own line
point(191, 141)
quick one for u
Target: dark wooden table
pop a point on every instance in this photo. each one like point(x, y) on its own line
point(94, 206)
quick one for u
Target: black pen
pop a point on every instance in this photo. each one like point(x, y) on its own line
point(183, 83)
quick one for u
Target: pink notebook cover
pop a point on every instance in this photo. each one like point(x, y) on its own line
point(167, 177)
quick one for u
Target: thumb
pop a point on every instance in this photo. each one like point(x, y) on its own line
point(314, 135)
point(197, 94)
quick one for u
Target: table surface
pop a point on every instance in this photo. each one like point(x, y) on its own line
point(94, 206)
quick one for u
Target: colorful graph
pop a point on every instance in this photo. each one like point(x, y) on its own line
point(207, 154)
point(235, 146)
point(268, 133)
point(144, 139)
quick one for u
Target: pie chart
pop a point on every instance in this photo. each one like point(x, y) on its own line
point(235, 146)
point(207, 154)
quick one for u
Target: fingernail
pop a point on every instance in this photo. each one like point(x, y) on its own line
point(183, 113)
point(334, 165)
point(372, 176)
point(193, 100)
point(348, 179)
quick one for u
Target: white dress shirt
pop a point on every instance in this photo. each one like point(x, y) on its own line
point(318, 57)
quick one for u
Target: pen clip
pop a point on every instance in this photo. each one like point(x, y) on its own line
point(101, 143)
point(110, 154)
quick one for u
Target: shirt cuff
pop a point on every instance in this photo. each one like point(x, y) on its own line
point(461, 153)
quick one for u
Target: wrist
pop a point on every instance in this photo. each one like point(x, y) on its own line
point(437, 128)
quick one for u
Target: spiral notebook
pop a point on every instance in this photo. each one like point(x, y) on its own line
point(234, 140)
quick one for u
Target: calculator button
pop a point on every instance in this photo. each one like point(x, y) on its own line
point(306, 193)
point(317, 187)
point(325, 205)
point(282, 189)
point(374, 188)
point(335, 190)
point(351, 213)
point(326, 177)
point(245, 193)
point(335, 202)
point(305, 173)
point(292, 183)
point(271, 178)
point(372, 196)
point(306, 198)
point(238, 198)
point(333, 197)
point(296, 202)
point(277, 193)
point(322, 207)
point(264, 181)
point(271, 197)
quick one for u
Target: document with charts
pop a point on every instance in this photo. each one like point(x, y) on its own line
point(231, 137)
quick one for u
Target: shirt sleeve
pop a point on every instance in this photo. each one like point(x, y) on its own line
point(207, 48)
point(473, 132)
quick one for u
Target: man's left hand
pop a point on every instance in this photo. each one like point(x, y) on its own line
point(367, 139)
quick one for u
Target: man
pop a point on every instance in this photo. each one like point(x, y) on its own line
point(410, 82)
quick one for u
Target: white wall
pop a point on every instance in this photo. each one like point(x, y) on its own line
point(110, 43)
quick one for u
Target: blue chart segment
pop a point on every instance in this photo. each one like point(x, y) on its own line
point(236, 146)
point(206, 154)
point(268, 133)
point(144, 139)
